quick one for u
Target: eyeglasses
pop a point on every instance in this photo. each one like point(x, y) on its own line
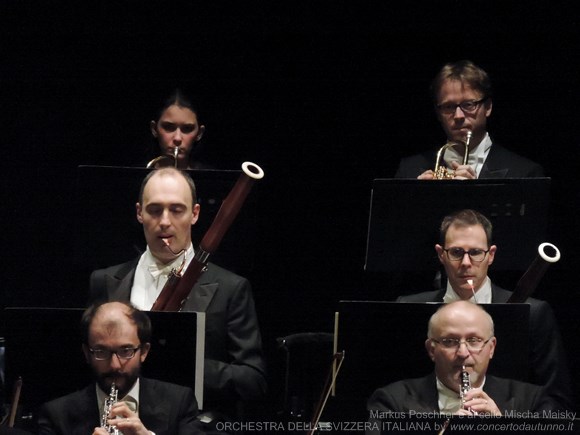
point(456, 254)
point(106, 354)
point(465, 106)
point(473, 344)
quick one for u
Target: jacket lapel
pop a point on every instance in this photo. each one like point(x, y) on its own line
point(200, 297)
point(428, 397)
point(87, 417)
point(499, 392)
point(203, 291)
point(119, 287)
point(492, 168)
point(153, 411)
point(499, 295)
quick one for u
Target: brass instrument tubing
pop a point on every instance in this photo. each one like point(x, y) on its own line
point(467, 141)
point(441, 172)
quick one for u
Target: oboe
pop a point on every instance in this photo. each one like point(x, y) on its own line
point(109, 402)
point(465, 385)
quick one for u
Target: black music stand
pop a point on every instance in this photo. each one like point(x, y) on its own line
point(405, 216)
point(43, 346)
point(107, 231)
point(384, 342)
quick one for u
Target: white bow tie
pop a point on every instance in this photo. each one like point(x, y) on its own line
point(156, 270)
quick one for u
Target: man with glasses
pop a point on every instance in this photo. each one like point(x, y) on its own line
point(462, 98)
point(116, 342)
point(460, 338)
point(466, 252)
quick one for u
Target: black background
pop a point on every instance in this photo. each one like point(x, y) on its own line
point(325, 96)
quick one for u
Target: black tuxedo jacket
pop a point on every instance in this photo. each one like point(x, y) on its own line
point(166, 409)
point(420, 395)
point(500, 163)
point(234, 365)
point(547, 357)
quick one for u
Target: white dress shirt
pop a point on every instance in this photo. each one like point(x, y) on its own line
point(476, 158)
point(449, 401)
point(131, 399)
point(482, 296)
point(151, 276)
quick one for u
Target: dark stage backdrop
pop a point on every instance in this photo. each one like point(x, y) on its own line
point(325, 96)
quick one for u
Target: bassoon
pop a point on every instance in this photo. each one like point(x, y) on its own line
point(531, 278)
point(179, 285)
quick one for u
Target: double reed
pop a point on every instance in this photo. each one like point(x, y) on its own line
point(441, 171)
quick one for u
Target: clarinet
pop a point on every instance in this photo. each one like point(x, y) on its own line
point(109, 402)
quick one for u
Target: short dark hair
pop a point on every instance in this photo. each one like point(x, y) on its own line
point(178, 98)
point(466, 72)
point(138, 317)
point(166, 170)
point(465, 218)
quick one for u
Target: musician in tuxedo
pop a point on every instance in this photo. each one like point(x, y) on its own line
point(116, 341)
point(466, 252)
point(234, 365)
point(461, 338)
point(462, 97)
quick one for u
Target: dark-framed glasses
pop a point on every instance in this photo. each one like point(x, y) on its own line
point(107, 354)
point(473, 344)
point(456, 254)
point(469, 106)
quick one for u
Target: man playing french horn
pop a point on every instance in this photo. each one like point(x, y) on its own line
point(462, 98)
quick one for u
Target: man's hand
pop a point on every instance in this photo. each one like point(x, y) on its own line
point(427, 175)
point(127, 422)
point(460, 172)
point(463, 172)
point(478, 402)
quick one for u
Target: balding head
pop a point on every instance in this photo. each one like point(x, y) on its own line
point(460, 334)
point(116, 344)
point(169, 172)
point(460, 312)
point(167, 210)
point(111, 315)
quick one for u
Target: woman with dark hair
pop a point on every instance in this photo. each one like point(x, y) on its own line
point(177, 131)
